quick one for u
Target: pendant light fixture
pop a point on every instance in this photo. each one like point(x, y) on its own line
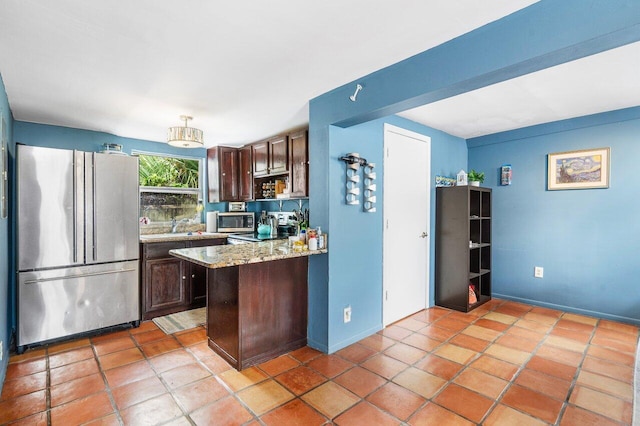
point(185, 136)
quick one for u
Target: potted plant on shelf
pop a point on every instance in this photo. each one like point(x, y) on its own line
point(475, 178)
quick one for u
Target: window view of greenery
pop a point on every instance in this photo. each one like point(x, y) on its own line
point(169, 188)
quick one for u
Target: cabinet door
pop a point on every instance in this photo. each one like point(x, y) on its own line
point(228, 174)
point(245, 175)
point(260, 159)
point(198, 285)
point(198, 274)
point(299, 156)
point(165, 284)
point(278, 155)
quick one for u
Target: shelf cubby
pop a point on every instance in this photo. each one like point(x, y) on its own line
point(463, 246)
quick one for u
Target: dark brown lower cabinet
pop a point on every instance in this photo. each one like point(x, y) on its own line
point(258, 311)
point(168, 284)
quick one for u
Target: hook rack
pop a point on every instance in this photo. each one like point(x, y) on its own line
point(354, 158)
point(354, 162)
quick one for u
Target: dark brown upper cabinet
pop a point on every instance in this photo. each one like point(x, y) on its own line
point(245, 174)
point(222, 164)
point(299, 155)
point(271, 157)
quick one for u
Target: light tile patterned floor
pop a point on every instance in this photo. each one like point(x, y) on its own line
point(503, 364)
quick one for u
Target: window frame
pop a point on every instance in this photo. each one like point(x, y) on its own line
point(173, 190)
point(200, 191)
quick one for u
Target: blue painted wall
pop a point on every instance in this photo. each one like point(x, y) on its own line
point(355, 237)
point(586, 240)
point(6, 279)
point(87, 140)
point(548, 33)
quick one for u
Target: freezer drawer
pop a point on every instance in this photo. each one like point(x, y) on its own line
point(62, 302)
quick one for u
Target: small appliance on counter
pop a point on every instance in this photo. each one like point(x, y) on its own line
point(279, 226)
point(237, 206)
point(236, 222)
point(212, 221)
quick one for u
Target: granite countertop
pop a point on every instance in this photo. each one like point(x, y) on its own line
point(241, 254)
point(182, 236)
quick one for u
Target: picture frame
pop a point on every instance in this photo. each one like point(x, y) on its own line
point(582, 169)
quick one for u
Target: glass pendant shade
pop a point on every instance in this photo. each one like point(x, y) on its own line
point(184, 136)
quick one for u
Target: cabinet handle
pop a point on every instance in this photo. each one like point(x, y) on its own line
point(193, 276)
point(184, 277)
point(224, 174)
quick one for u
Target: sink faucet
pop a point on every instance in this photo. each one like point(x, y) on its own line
point(174, 225)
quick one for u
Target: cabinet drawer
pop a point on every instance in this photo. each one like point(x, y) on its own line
point(161, 250)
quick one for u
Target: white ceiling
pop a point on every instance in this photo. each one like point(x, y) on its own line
point(246, 73)
point(598, 83)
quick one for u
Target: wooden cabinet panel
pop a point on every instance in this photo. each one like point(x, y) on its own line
point(299, 155)
point(261, 159)
point(257, 311)
point(278, 155)
point(245, 174)
point(169, 284)
point(166, 284)
point(222, 165)
point(228, 174)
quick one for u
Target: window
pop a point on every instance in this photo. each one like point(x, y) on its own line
point(170, 187)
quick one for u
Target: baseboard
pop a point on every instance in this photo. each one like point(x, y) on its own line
point(571, 309)
point(636, 389)
point(354, 339)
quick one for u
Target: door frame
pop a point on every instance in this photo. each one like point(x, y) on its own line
point(390, 128)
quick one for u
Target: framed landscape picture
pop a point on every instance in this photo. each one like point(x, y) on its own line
point(583, 169)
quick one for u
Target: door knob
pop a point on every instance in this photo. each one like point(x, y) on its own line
point(423, 235)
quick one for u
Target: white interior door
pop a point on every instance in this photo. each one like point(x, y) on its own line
point(407, 170)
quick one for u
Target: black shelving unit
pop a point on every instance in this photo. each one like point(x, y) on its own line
point(463, 246)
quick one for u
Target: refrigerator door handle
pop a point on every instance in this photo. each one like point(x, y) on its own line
point(94, 218)
point(92, 274)
point(75, 208)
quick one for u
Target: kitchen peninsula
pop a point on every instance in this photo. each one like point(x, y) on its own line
point(256, 298)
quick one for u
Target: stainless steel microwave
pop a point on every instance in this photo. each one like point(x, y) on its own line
point(236, 222)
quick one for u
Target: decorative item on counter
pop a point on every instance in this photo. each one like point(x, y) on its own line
point(443, 181)
point(369, 204)
point(475, 178)
point(264, 229)
point(461, 178)
point(505, 174)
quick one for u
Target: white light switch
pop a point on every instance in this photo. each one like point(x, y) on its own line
point(538, 271)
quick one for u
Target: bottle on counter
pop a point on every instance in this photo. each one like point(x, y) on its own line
point(313, 243)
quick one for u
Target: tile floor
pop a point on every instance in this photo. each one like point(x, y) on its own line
point(503, 364)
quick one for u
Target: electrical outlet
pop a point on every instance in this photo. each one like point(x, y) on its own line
point(347, 314)
point(538, 272)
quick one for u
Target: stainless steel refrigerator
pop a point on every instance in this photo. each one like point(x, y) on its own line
point(77, 217)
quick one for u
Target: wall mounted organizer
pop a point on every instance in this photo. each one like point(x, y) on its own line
point(354, 162)
point(369, 188)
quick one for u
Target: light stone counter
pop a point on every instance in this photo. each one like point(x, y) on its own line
point(241, 254)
